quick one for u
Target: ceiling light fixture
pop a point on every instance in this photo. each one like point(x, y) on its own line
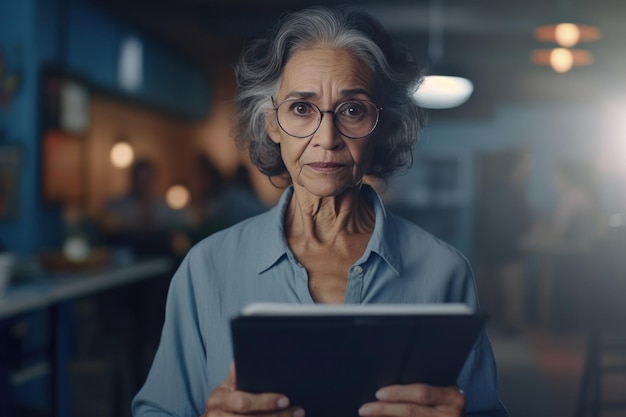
point(561, 60)
point(564, 33)
point(567, 33)
point(438, 91)
point(443, 91)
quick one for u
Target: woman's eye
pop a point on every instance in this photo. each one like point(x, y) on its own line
point(352, 109)
point(301, 108)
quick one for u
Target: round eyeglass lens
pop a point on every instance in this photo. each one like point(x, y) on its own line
point(356, 119)
point(298, 118)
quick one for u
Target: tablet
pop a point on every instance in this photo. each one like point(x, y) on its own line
point(331, 359)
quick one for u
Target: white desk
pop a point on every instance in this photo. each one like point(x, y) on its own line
point(60, 288)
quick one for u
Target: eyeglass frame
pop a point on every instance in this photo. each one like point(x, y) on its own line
point(333, 112)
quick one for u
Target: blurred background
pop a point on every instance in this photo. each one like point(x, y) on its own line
point(116, 156)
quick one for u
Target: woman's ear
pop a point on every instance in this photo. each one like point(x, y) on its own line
point(271, 126)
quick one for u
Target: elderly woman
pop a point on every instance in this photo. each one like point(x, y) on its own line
point(325, 103)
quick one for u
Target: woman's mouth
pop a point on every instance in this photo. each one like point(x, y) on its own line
point(325, 166)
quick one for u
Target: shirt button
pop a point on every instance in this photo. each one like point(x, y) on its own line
point(357, 269)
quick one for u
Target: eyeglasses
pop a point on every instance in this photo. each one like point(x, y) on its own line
point(354, 119)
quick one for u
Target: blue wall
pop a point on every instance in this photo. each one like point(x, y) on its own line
point(88, 47)
point(93, 44)
point(18, 31)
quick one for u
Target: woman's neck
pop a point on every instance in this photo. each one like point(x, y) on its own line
point(326, 218)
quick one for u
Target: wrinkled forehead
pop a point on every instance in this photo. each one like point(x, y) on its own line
point(321, 70)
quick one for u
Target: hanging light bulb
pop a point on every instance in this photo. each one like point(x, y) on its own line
point(561, 60)
point(566, 33)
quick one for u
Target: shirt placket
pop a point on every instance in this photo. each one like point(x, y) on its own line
point(355, 285)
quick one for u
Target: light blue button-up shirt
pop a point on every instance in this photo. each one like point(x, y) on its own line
point(252, 262)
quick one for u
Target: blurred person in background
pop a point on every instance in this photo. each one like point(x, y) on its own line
point(219, 200)
point(504, 219)
point(141, 219)
point(565, 244)
point(323, 104)
point(205, 215)
point(237, 200)
point(578, 216)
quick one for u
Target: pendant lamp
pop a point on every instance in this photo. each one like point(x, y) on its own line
point(439, 90)
point(565, 32)
point(560, 59)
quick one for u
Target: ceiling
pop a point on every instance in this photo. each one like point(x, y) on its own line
point(487, 40)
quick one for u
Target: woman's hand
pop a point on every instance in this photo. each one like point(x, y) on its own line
point(416, 400)
point(226, 400)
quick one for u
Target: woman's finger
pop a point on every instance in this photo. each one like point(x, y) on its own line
point(415, 400)
point(422, 394)
point(383, 409)
point(239, 402)
point(227, 399)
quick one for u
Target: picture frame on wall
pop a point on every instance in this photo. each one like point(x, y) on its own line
point(66, 119)
point(62, 167)
point(66, 103)
point(10, 177)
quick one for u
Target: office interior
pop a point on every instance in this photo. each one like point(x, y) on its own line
point(532, 160)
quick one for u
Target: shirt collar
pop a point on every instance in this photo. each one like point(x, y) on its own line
point(275, 243)
point(384, 240)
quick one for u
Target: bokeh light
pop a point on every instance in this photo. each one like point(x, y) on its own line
point(122, 155)
point(177, 197)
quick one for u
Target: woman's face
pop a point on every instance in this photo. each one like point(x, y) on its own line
point(325, 163)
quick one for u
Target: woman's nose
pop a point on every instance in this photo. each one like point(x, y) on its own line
point(327, 134)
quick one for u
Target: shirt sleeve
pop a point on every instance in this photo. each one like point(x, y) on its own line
point(177, 384)
point(478, 380)
point(479, 377)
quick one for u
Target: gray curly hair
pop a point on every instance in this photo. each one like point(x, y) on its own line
point(396, 77)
